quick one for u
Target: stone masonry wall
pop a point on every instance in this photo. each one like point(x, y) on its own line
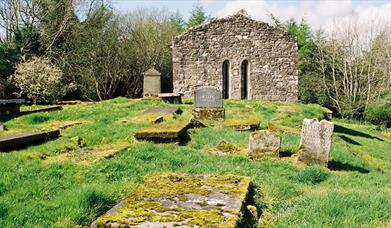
point(198, 57)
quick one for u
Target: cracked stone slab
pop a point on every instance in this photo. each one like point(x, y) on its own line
point(181, 200)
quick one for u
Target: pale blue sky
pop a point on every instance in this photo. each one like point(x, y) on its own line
point(318, 13)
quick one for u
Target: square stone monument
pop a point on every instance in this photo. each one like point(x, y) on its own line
point(152, 84)
point(208, 103)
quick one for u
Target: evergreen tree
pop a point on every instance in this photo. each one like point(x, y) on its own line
point(198, 16)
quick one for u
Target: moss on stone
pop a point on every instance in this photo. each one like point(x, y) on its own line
point(249, 124)
point(145, 204)
point(209, 113)
point(162, 131)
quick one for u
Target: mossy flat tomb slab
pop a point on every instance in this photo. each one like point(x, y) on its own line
point(248, 124)
point(163, 133)
point(181, 200)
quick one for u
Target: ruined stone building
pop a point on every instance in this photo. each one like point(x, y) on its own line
point(244, 58)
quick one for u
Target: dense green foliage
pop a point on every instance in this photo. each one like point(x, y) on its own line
point(355, 191)
point(380, 112)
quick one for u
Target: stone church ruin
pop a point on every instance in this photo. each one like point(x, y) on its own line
point(244, 58)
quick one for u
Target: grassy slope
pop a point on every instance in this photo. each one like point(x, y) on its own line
point(356, 192)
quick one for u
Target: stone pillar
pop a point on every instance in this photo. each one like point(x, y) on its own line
point(152, 84)
point(315, 142)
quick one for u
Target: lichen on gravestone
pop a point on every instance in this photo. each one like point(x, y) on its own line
point(315, 142)
point(264, 143)
point(182, 200)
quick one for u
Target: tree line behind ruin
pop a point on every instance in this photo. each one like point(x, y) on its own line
point(92, 52)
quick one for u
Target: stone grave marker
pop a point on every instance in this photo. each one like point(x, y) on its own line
point(208, 103)
point(152, 84)
point(2, 128)
point(315, 142)
point(181, 200)
point(263, 143)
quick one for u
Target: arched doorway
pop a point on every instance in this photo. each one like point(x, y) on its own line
point(244, 80)
point(226, 79)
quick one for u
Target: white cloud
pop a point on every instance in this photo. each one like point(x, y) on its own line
point(319, 14)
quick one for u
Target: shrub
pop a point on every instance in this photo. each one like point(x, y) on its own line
point(39, 80)
point(379, 112)
point(311, 175)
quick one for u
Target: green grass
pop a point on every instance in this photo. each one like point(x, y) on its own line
point(355, 192)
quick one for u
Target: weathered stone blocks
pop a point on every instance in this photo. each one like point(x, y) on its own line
point(263, 143)
point(315, 142)
point(200, 53)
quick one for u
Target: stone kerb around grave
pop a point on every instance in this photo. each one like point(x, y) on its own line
point(208, 103)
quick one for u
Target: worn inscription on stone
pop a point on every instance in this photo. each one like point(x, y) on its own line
point(208, 97)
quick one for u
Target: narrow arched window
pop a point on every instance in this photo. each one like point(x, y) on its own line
point(244, 80)
point(225, 79)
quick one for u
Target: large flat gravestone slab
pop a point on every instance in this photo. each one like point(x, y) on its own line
point(208, 97)
point(181, 200)
point(164, 133)
point(315, 142)
point(163, 110)
point(20, 140)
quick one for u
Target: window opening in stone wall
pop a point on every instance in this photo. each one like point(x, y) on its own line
point(226, 79)
point(244, 80)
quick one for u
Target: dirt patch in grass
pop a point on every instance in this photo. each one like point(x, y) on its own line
point(88, 155)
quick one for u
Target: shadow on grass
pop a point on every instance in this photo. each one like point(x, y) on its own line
point(250, 217)
point(349, 140)
point(348, 131)
point(340, 166)
point(286, 153)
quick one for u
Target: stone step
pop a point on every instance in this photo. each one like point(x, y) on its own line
point(181, 200)
point(16, 141)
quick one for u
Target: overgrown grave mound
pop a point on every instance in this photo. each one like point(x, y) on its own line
point(181, 200)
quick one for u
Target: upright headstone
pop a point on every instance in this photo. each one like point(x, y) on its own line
point(315, 142)
point(152, 84)
point(2, 128)
point(208, 103)
point(263, 143)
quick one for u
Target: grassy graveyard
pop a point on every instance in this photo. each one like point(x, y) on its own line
point(97, 162)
